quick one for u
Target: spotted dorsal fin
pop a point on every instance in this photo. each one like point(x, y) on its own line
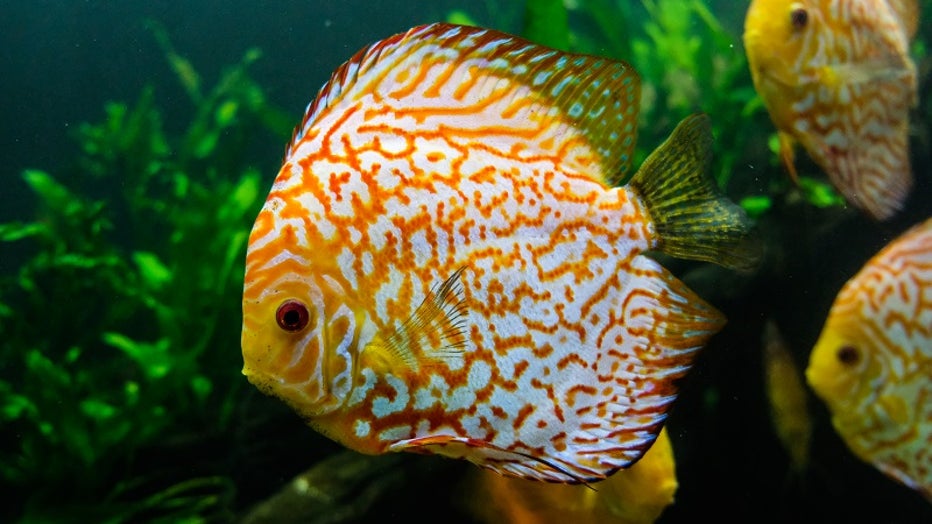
point(434, 331)
point(498, 81)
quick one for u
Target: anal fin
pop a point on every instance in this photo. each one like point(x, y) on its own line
point(510, 463)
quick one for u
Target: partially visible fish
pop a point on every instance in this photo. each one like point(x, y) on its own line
point(786, 394)
point(443, 266)
point(637, 495)
point(872, 364)
point(836, 76)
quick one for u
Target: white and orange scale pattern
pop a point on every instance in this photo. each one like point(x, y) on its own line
point(880, 392)
point(420, 160)
point(841, 84)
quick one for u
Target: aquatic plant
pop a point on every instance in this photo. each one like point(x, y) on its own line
point(119, 322)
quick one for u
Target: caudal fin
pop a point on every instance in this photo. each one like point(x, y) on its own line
point(692, 218)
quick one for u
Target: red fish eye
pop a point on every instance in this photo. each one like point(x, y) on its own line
point(292, 316)
point(848, 355)
point(799, 17)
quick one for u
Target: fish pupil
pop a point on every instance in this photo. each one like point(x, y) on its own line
point(848, 355)
point(799, 17)
point(292, 316)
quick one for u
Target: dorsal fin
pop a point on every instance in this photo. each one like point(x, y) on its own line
point(596, 97)
point(907, 13)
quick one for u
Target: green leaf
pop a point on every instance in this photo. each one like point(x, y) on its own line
point(202, 386)
point(226, 113)
point(242, 199)
point(47, 372)
point(820, 194)
point(53, 194)
point(13, 231)
point(14, 406)
point(131, 391)
point(154, 359)
point(152, 270)
point(183, 69)
point(98, 409)
point(207, 143)
point(756, 205)
point(773, 143)
point(181, 184)
point(459, 17)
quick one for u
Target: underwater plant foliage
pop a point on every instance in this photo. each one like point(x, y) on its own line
point(117, 327)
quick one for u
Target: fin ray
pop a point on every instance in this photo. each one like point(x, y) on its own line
point(692, 218)
point(596, 99)
point(433, 331)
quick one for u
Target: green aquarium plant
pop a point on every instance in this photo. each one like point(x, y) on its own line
point(121, 319)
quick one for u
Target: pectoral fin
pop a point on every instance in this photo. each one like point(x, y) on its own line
point(434, 331)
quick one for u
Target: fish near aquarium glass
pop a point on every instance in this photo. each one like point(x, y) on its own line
point(837, 77)
point(445, 221)
point(872, 364)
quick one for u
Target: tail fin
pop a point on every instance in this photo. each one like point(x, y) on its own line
point(692, 218)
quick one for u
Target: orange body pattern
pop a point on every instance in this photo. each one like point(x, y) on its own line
point(872, 364)
point(836, 76)
point(470, 283)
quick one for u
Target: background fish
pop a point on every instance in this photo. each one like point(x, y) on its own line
point(872, 364)
point(637, 495)
point(441, 265)
point(836, 76)
point(786, 395)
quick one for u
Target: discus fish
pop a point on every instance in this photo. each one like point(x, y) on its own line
point(441, 265)
point(872, 364)
point(836, 76)
point(786, 394)
point(637, 495)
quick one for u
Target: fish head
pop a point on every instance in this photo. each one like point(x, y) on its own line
point(299, 329)
point(844, 371)
point(779, 39)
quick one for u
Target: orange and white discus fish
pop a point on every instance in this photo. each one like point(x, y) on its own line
point(637, 495)
point(836, 76)
point(443, 267)
point(872, 364)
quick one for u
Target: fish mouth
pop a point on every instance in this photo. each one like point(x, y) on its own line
point(825, 380)
point(263, 382)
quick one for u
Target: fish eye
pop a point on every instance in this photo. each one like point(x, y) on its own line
point(292, 316)
point(848, 355)
point(799, 17)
